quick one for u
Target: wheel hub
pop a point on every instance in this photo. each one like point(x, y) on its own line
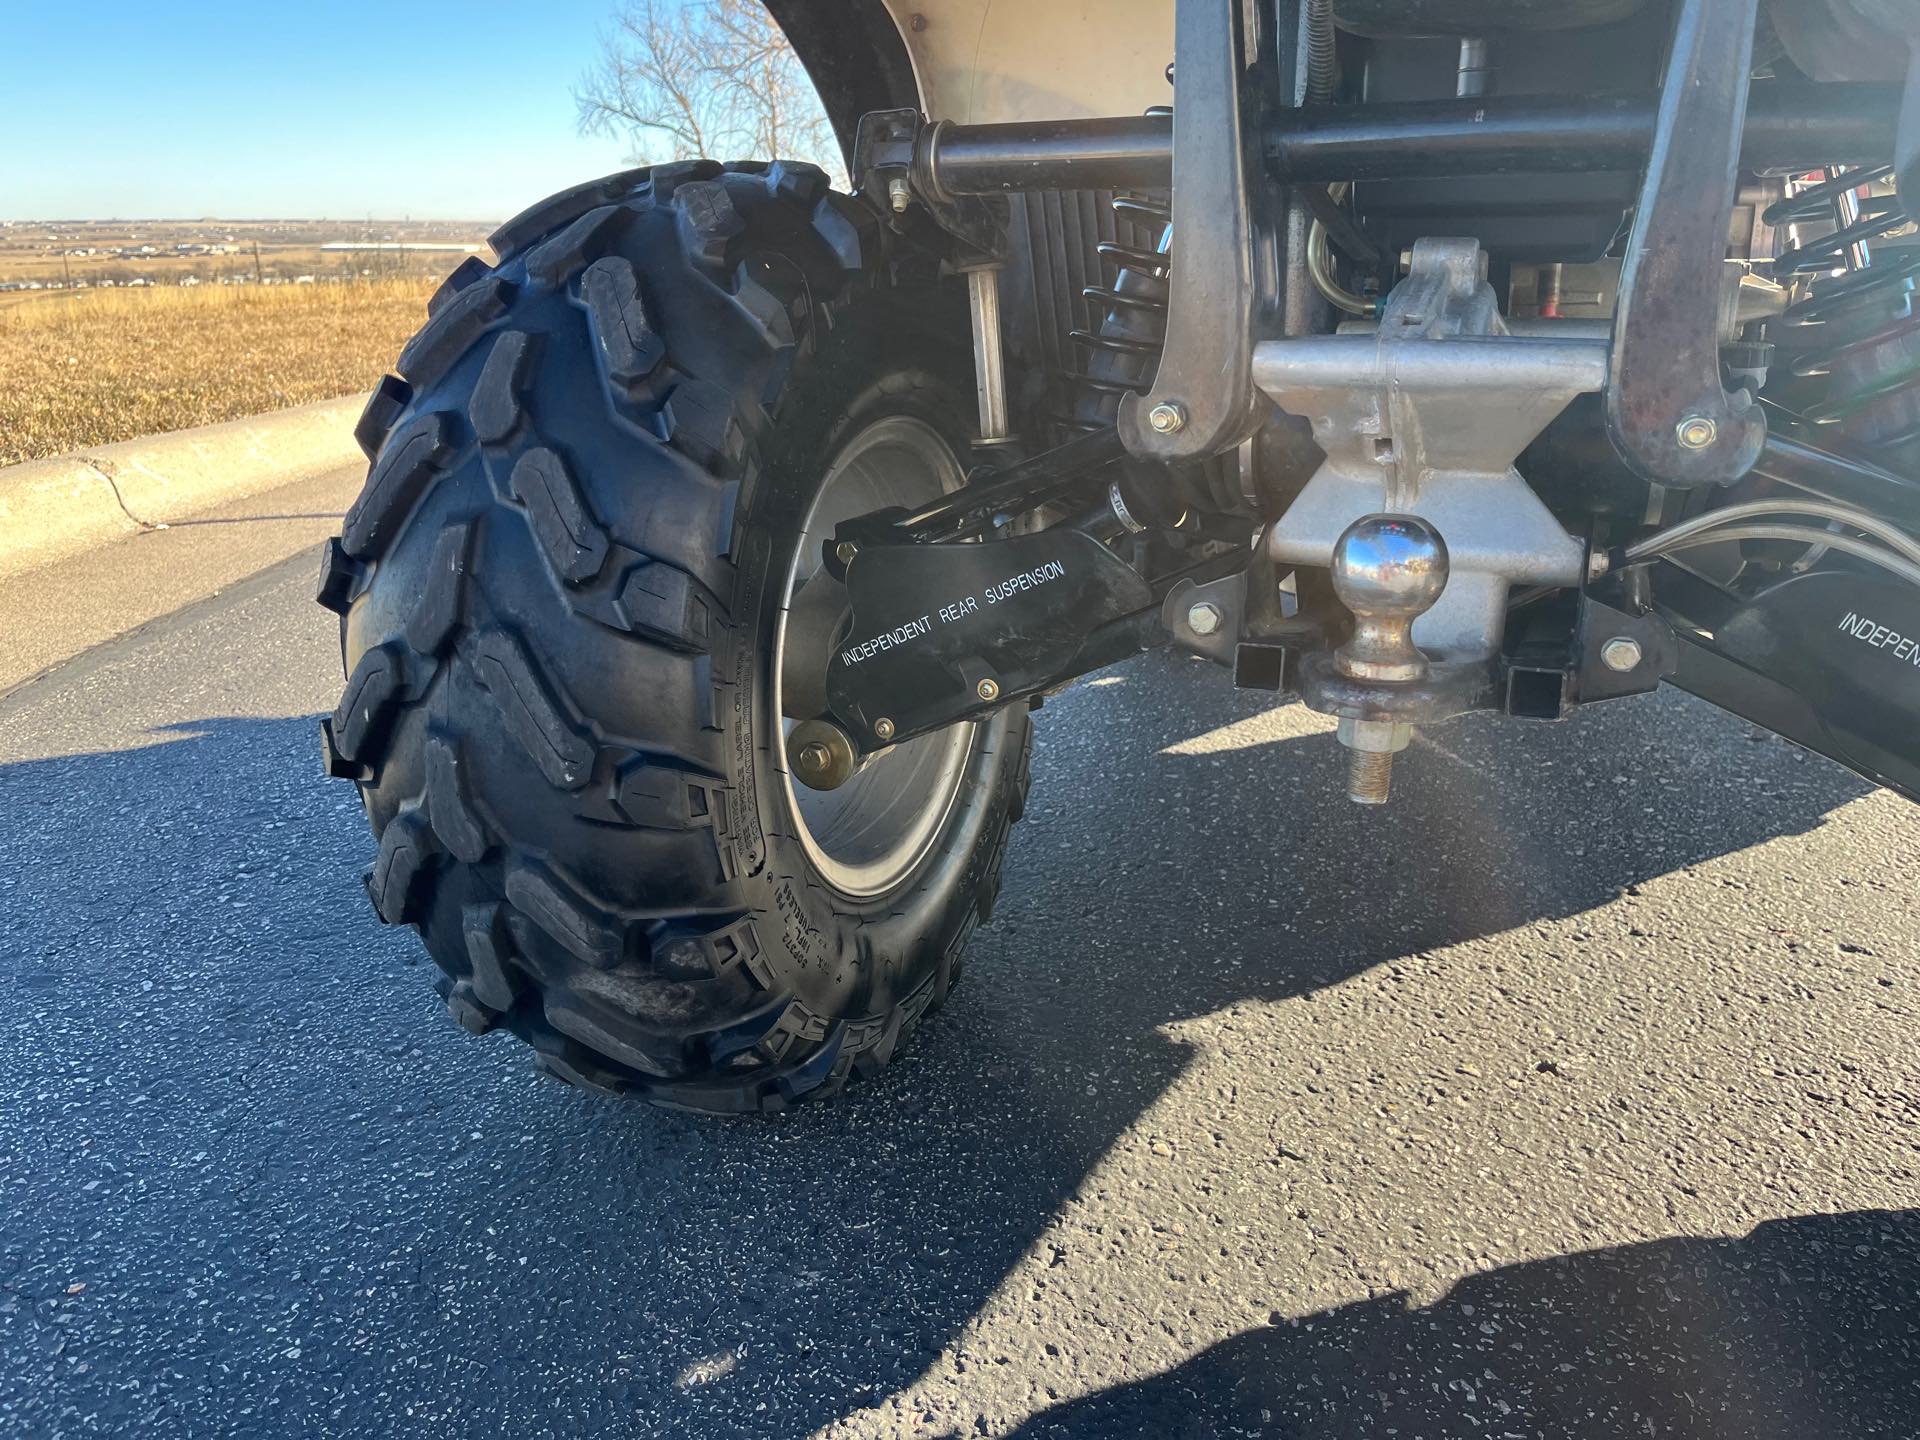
point(864, 825)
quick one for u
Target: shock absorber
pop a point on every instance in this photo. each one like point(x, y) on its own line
point(1856, 327)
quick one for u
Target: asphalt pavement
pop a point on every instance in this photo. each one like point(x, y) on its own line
point(1571, 1094)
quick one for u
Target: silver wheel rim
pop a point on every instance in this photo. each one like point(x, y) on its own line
point(870, 834)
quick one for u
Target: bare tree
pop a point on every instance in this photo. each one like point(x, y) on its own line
point(704, 77)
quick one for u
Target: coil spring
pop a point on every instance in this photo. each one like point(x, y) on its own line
point(1320, 51)
point(1872, 363)
point(1125, 350)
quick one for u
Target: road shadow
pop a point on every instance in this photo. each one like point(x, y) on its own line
point(315, 1141)
point(1805, 1327)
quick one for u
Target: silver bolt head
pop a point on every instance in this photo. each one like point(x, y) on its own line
point(1620, 654)
point(845, 551)
point(1167, 417)
point(1204, 618)
point(987, 690)
point(900, 194)
point(883, 728)
point(1697, 432)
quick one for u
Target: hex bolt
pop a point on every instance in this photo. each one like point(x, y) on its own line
point(1204, 618)
point(821, 754)
point(1369, 776)
point(900, 193)
point(1697, 432)
point(1167, 417)
point(883, 728)
point(987, 690)
point(845, 551)
point(1371, 746)
point(1620, 653)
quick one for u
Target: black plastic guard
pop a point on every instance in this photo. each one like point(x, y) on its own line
point(941, 632)
point(1829, 659)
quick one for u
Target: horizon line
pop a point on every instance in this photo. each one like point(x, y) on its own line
point(245, 219)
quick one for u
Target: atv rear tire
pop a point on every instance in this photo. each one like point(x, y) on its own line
point(561, 596)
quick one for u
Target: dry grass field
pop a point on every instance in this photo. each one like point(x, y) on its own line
point(92, 367)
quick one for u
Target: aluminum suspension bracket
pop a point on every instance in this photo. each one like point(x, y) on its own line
point(1423, 416)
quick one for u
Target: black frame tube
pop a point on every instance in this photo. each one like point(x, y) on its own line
point(1845, 479)
point(1789, 125)
point(1110, 153)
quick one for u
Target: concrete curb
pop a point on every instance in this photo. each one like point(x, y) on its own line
point(53, 509)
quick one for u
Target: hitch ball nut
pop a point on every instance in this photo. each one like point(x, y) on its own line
point(1167, 417)
point(1204, 618)
point(1696, 432)
point(1620, 654)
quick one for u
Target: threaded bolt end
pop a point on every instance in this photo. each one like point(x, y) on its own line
point(1369, 774)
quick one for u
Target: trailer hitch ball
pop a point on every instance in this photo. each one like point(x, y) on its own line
point(1388, 570)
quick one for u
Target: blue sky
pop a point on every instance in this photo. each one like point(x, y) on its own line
point(182, 108)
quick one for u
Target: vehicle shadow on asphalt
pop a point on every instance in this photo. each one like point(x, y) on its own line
point(693, 1272)
point(1239, 871)
point(1806, 1327)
